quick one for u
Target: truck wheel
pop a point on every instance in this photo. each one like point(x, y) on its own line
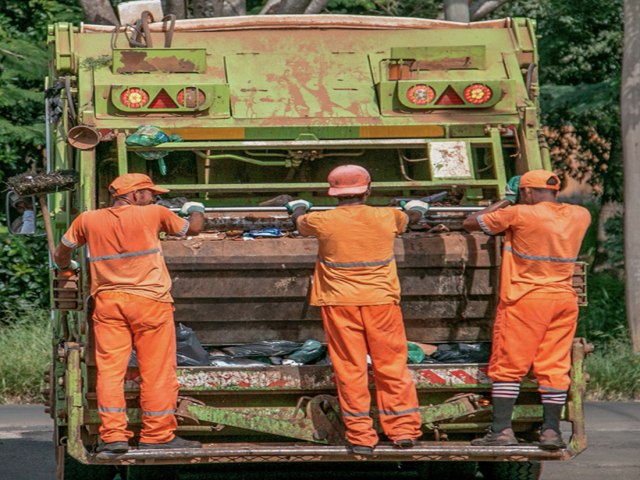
point(74, 470)
point(150, 472)
point(511, 470)
point(447, 470)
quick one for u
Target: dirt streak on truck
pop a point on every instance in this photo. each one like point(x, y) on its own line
point(268, 105)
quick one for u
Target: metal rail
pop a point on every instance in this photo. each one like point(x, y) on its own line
point(446, 209)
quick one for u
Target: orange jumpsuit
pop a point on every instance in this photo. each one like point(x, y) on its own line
point(130, 284)
point(356, 285)
point(537, 313)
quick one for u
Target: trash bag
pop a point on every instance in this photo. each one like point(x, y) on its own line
point(189, 350)
point(263, 233)
point(265, 348)
point(150, 136)
point(415, 353)
point(309, 352)
point(462, 353)
point(229, 361)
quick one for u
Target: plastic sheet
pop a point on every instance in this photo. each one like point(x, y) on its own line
point(150, 136)
point(189, 350)
point(266, 348)
point(460, 353)
point(310, 352)
point(229, 361)
point(264, 233)
point(415, 353)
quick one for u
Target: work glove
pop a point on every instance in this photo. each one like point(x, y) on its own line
point(416, 206)
point(72, 267)
point(511, 192)
point(295, 204)
point(190, 207)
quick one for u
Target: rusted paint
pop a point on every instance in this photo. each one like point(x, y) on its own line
point(137, 61)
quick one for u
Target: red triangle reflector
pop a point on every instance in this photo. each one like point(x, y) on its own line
point(163, 100)
point(450, 97)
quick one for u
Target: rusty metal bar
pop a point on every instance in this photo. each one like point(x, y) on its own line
point(446, 209)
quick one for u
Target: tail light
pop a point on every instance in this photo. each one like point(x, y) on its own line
point(450, 97)
point(477, 94)
point(421, 94)
point(134, 97)
point(191, 97)
point(163, 100)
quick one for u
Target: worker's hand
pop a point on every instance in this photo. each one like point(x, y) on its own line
point(190, 207)
point(416, 206)
point(511, 192)
point(295, 204)
point(72, 267)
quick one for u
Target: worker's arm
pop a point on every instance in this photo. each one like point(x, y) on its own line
point(62, 258)
point(471, 222)
point(415, 210)
point(195, 213)
point(297, 208)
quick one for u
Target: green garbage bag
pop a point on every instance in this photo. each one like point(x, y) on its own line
point(150, 136)
point(416, 354)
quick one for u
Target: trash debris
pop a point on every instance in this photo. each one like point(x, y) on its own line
point(263, 233)
point(460, 353)
point(265, 348)
point(189, 351)
point(309, 352)
point(150, 136)
point(229, 361)
point(415, 353)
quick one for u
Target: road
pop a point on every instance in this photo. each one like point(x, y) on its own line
point(26, 451)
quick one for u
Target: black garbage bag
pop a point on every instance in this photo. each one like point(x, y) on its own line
point(460, 353)
point(190, 352)
point(265, 348)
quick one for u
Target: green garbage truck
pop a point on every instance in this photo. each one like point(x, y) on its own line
point(262, 106)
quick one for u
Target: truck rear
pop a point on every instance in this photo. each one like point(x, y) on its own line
point(264, 106)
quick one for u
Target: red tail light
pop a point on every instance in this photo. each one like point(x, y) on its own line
point(450, 97)
point(191, 97)
point(134, 97)
point(421, 94)
point(477, 94)
point(163, 100)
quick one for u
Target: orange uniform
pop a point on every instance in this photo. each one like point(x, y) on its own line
point(537, 313)
point(357, 287)
point(130, 284)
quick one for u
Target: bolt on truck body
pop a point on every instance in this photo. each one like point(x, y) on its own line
point(268, 105)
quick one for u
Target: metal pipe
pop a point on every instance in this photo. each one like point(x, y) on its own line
point(446, 209)
point(240, 158)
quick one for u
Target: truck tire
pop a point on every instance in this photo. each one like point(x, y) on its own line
point(511, 470)
point(74, 470)
point(446, 470)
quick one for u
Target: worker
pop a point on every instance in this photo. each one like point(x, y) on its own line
point(356, 286)
point(537, 311)
point(130, 286)
point(25, 223)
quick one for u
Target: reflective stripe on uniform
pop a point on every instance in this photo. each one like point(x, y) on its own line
point(359, 414)
point(483, 226)
point(539, 257)
point(124, 255)
point(112, 409)
point(378, 263)
point(401, 412)
point(67, 243)
point(157, 414)
point(184, 230)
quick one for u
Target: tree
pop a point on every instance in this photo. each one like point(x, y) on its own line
point(630, 96)
point(99, 12)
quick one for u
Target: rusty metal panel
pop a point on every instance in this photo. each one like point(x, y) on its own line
point(165, 60)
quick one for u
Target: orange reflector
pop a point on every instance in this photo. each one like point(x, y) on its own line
point(195, 134)
point(402, 131)
point(134, 97)
point(450, 97)
point(477, 93)
point(191, 97)
point(163, 100)
point(421, 94)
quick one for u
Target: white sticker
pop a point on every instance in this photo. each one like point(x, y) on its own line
point(449, 160)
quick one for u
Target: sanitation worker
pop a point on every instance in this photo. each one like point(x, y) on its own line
point(357, 288)
point(537, 310)
point(130, 286)
point(25, 223)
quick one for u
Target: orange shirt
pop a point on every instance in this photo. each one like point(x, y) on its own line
point(356, 263)
point(124, 248)
point(541, 246)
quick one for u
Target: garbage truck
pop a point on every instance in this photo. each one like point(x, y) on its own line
point(245, 109)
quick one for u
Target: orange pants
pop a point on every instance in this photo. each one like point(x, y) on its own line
point(378, 330)
point(120, 319)
point(537, 331)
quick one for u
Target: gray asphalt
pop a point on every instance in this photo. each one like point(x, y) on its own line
point(613, 429)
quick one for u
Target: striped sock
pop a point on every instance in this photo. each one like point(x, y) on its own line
point(552, 403)
point(556, 397)
point(505, 390)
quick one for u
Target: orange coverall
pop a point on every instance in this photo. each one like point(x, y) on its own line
point(130, 284)
point(537, 313)
point(356, 285)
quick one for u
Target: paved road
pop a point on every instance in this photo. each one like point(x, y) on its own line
point(26, 452)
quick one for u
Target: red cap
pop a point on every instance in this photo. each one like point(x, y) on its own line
point(540, 179)
point(347, 180)
point(131, 182)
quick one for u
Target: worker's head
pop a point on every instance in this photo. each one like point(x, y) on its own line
point(20, 203)
point(538, 186)
point(135, 188)
point(349, 181)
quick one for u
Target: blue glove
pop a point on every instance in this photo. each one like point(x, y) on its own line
point(416, 206)
point(72, 267)
point(511, 192)
point(190, 207)
point(295, 204)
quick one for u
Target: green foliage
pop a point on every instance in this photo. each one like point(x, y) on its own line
point(25, 351)
point(24, 277)
point(614, 244)
point(614, 372)
point(396, 8)
point(604, 320)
